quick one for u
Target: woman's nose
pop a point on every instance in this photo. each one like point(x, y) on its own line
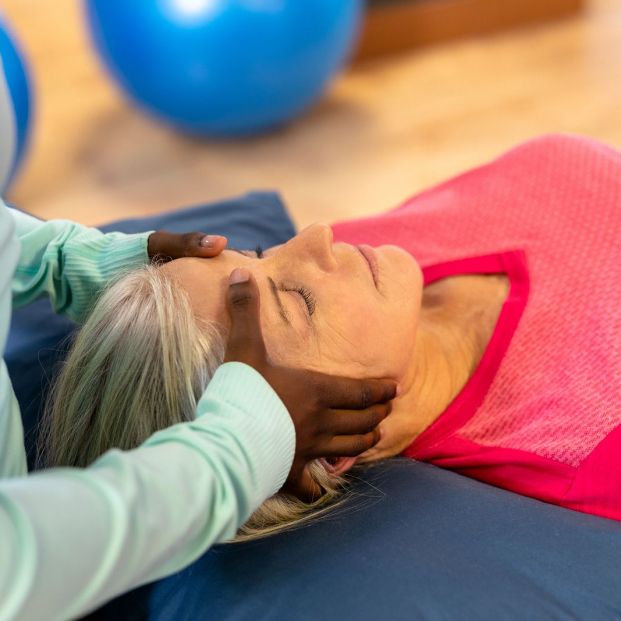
point(315, 242)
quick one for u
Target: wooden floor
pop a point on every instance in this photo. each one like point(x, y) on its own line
point(383, 132)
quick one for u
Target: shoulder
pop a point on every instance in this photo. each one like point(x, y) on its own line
point(563, 180)
point(565, 165)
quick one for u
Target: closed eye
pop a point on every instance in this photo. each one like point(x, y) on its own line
point(303, 292)
point(307, 296)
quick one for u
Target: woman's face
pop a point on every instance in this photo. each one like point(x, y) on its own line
point(331, 307)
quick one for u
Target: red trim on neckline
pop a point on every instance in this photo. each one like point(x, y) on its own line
point(512, 263)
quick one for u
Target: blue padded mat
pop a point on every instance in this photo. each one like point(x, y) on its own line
point(413, 541)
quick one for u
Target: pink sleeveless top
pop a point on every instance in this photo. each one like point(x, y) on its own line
point(541, 415)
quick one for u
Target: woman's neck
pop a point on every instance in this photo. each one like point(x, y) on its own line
point(456, 322)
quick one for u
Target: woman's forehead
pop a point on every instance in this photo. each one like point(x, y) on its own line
point(206, 282)
point(213, 268)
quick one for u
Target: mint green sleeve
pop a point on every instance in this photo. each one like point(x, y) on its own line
point(69, 262)
point(72, 539)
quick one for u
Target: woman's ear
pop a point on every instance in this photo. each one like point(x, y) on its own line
point(338, 465)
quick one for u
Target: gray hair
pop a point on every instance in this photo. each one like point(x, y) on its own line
point(139, 364)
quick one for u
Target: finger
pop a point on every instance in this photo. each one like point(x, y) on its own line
point(353, 394)
point(164, 246)
point(303, 486)
point(210, 245)
point(352, 422)
point(198, 244)
point(349, 446)
point(245, 342)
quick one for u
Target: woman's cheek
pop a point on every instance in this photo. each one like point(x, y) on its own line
point(287, 348)
point(356, 326)
point(276, 343)
point(364, 337)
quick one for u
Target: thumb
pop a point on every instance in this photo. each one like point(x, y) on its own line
point(245, 342)
point(209, 245)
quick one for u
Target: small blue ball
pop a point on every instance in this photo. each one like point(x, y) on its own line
point(16, 76)
point(224, 67)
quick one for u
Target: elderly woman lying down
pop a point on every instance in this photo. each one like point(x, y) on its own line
point(498, 314)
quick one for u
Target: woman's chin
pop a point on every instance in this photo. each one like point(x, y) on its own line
point(397, 253)
point(402, 265)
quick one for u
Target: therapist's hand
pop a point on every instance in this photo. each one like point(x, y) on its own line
point(164, 246)
point(333, 416)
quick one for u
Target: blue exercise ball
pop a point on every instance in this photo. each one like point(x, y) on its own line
point(19, 88)
point(224, 67)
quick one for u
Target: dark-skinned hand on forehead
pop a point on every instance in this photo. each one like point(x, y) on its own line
point(163, 246)
point(333, 416)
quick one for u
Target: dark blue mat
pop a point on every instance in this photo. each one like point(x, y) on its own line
point(413, 542)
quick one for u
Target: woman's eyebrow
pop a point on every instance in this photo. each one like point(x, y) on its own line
point(258, 252)
point(281, 307)
point(242, 252)
point(282, 311)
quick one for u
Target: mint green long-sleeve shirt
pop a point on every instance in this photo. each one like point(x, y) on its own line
point(71, 539)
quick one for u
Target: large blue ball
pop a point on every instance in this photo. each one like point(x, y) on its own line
point(19, 88)
point(224, 67)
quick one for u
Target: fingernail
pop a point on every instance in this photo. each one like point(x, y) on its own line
point(209, 241)
point(238, 275)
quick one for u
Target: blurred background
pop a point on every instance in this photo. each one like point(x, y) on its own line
point(430, 89)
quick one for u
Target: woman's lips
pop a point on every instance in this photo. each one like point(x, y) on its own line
point(369, 255)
